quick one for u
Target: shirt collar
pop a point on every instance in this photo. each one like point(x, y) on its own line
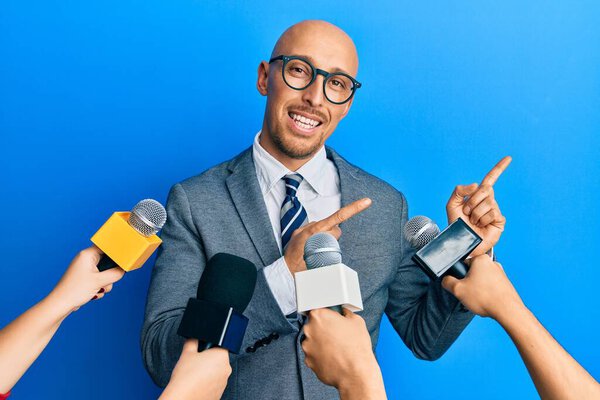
point(269, 170)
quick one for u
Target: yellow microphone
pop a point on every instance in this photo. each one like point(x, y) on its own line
point(128, 239)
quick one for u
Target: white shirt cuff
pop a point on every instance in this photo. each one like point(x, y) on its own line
point(282, 285)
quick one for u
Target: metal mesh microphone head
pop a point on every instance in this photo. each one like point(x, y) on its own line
point(420, 230)
point(148, 217)
point(322, 249)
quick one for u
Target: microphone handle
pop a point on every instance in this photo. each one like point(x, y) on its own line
point(337, 309)
point(106, 263)
point(202, 345)
point(458, 270)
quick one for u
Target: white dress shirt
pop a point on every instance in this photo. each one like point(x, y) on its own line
point(319, 193)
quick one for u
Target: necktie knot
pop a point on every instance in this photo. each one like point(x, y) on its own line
point(292, 182)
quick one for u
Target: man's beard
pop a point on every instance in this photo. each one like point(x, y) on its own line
point(295, 151)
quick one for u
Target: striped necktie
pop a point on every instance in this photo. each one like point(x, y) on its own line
point(293, 214)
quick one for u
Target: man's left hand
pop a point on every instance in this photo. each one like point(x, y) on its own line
point(476, 205)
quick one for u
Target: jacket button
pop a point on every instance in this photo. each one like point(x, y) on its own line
point(250, 350)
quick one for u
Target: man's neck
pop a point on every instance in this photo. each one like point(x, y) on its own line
point(293, 164)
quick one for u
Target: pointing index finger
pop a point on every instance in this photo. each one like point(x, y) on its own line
point(494, 174)
point(344, 213)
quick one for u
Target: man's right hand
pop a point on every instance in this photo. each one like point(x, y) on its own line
point(294, 252)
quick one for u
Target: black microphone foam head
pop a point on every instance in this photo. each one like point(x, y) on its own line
point(228, 280)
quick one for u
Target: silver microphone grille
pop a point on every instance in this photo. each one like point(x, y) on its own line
point(148, 217)
point(420, 230)
point(322, 249)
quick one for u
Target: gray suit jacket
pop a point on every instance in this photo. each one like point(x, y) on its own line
point(222, 210)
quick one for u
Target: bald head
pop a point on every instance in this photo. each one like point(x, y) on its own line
point(331, 42)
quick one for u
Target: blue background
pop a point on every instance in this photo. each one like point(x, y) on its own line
point(103, 103)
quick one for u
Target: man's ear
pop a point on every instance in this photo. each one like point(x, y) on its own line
point(263, 77)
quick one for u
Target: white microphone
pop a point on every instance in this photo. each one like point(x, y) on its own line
point(327, 282)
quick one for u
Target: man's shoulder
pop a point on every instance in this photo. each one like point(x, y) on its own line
point(214, 177)
point(373, 185)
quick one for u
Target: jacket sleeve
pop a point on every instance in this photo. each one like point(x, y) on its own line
point(425, 315)
point(175, 277)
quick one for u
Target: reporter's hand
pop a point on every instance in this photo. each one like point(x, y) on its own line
point(486, 290)
point(82, 281)
point(294, 251)
point(339, 350)
point(199, 375)
point(476, 205)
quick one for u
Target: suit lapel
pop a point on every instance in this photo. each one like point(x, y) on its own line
point(248, 200)
point(352, 189)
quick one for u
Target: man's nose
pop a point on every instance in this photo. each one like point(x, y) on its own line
point(313, 95)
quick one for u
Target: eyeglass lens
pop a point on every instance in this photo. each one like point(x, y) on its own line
point(299, 74)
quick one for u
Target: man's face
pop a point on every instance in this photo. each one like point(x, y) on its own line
point(297, 122)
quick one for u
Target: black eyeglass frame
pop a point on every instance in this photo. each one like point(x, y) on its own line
point(316, 71)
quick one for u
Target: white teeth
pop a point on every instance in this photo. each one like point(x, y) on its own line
point(304, 122)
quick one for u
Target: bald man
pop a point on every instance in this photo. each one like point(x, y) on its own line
point(263, 205)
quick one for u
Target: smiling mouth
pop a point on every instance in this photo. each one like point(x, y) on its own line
point(303, 122)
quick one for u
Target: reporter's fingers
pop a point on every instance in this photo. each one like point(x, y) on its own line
point(307, 359)
point(97, 296)
point(91, 254)
point(343, 214)
point(190, 345)
point(106, 289)
point(111, 275)
point(451, 284)
point(483, 192)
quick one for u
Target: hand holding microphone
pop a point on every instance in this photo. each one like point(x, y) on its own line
point(128, 237)
point(215, 317)
point(82, 281)
point(22, 341)
point(338, 349)
point(475, 204)
point(198, 375)
point(486, 290)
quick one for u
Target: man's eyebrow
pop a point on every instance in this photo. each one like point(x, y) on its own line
point(312, 60)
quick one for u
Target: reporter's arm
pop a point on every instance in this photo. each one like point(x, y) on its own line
point(555, 373)
point(198, 375)
point(23, 340)
point(487, 292)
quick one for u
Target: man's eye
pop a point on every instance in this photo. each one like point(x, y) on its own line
point(337, 84)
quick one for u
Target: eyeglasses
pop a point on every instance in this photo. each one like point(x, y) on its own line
point(299, 74)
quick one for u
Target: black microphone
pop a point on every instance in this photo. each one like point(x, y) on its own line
point(215, 317)
point(441, 254)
